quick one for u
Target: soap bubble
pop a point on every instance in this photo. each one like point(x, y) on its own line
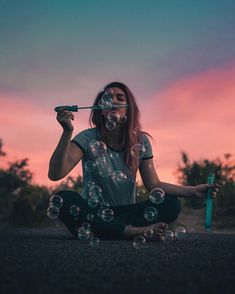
point(56, 200)
point(180, 232)
point(138, 150)
point(74, 210)
point(84, 232)
point(94, 242)
point(89, 166)
point(107, 214)
point(157, 195)
point(119, 176)
point(90, 184)
point(140, 193)
point(93, 201)
point(139, 242)
point(150, 214)
point(110, 125)
point(105, 172)
point(98, 148)
point(95, 191)
point(90, 217)
point(114, 116)
point(168, 237)
point(106, 101)
point(53, 212)
point(148, 233)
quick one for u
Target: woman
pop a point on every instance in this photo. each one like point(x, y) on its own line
point(111, 152)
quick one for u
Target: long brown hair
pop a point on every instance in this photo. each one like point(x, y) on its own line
point(132, 129)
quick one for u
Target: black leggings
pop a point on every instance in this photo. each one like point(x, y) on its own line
point(132, 214)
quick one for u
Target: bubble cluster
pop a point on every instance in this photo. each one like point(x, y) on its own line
point(157, 195)
point(150, 214)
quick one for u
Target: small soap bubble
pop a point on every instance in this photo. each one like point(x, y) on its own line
point(168, 237)
point(148, 233)
point(94, 242)
point(110, 125)
point(53, 212)
point(84, 234)
point(56, 200)
point(105, 172)
point(90, 217)
point(157, 195)
point(98, 148)
point(138, 150)
point(139, 242)
point(74, 210)
point(86, 226)
point(119, 177)
point(93, 201)
point(150, 214)
point(114, 116)
point(89, 166)
point(180, 232)
point(90, 184)
point(95, 191)
point(107, 214)
point(140, 193)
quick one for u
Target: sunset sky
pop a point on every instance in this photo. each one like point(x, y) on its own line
point(177, 56)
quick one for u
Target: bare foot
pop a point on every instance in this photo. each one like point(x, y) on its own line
point(155, 231)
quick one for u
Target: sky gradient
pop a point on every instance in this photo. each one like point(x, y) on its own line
point(178, 58)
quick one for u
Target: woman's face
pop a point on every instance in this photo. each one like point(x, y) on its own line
point(119, 97)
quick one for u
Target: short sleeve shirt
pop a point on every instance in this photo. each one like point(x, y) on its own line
point(105, 169)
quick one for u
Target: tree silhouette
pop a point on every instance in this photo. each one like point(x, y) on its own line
point(196, 172)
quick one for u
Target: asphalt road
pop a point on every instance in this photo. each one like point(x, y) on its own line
point(52, 261)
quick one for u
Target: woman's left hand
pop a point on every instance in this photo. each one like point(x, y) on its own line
point(200, 191)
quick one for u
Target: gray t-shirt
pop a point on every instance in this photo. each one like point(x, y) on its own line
point(104, 167)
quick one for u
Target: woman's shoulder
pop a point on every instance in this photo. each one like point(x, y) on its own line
point(90, 133)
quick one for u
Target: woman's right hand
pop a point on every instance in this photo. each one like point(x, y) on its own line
point(64, 117)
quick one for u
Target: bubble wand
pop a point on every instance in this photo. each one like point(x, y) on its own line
point(75, 108)
point(210, 180)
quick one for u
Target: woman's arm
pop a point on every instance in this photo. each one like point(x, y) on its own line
point(67, 154)
point(151, 180)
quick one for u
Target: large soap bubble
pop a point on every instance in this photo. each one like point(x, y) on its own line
point(114, 116)
point(98, 148)
point(106, 101)
point(138, 150)
point(150, 214)
point(107, 214)
point(74, 210)
point(157, 195)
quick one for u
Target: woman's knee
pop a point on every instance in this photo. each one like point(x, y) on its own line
point(174, 208)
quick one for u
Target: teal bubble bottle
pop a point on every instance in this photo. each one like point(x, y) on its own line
point(209, 204)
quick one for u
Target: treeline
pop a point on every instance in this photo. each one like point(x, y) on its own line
point(25, 204)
